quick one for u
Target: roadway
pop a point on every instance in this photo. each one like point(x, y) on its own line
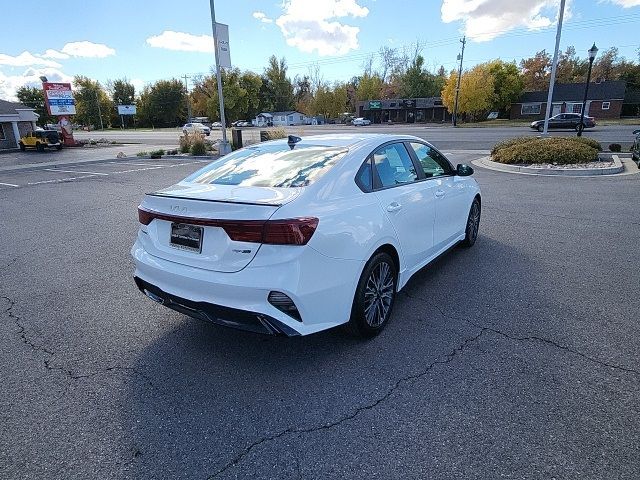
point(444, 137)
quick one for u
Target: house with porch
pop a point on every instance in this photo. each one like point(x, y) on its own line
point(604, 100)
point(16, 120)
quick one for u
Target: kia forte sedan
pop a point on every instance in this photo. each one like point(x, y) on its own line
point(295, 236)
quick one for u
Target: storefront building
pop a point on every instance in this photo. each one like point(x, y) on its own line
point(404, 110)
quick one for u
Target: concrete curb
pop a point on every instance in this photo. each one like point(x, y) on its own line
point(568, 172)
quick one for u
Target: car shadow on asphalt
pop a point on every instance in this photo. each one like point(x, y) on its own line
point(207, 391)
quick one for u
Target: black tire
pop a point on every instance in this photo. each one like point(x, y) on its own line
point(580, 127)
point(473, 224)
point(39, 147)
point(58, 147)
point(374, 297)
point(540, 128)
point(22, 147)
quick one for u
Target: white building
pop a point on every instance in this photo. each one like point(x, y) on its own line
point(16, 120)
point(282, 119)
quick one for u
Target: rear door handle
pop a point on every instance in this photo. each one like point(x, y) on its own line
point(439, 193)
point(393, 207)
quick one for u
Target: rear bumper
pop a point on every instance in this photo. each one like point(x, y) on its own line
point(218, 314)
point(321, 287)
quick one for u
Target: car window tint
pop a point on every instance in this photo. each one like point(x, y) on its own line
point(270, 166)
point(433, 163)
point(364, 178)
point(394, 165)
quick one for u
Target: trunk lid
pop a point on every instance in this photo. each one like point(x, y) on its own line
point(211, 214)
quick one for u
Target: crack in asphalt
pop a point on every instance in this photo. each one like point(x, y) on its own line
point(404, 380)
point(533, 338)
point(69, 374)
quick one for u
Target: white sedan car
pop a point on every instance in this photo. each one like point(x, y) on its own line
point(297, 235)
point(359, 122)
point(196, 128)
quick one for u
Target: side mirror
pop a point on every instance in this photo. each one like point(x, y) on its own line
point(463, 170)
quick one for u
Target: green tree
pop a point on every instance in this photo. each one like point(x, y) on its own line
point(605, 65)
point(33, 97)
point(369, 87)
point(162, 104)
point(122, 92)
point(93, 105)
point(570, 67)
point(241, 95)
point(330, 101)
point(508, 84)
point(417, 82)
point(277, 89)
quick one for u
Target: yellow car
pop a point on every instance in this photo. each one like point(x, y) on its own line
point(41, 139)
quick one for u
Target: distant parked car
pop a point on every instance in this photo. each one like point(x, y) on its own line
point(41, 139)
point(216, 125)
point(196, 128)
point(565, 120)
point(360, 122)
point(635, 149)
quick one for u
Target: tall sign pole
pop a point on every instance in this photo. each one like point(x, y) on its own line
point(455, 105)
point(554, 67)
point(224, 146)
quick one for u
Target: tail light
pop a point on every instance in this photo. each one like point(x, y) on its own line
point(294, 231)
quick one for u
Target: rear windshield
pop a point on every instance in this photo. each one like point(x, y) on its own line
point(270, 166)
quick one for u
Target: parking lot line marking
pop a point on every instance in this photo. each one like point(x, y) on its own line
point(137, 170)
point(60, 180)
point(137, 164)
point(9, 184)
point(74, 171)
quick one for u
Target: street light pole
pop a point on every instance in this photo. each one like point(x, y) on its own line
point(554, 66)
point(224, 146)
point(455, 105)
point(592, 55)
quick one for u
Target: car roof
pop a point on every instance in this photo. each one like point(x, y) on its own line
point(349, 139)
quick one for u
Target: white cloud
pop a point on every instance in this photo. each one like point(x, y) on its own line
point(626, 3)
point(312, 26)
point(26, 59)
point(262, 17)
point(88, 49)
point(488, 19)
point(181, 41)
point(138, 84)
point(55, 54)
point(9, 84)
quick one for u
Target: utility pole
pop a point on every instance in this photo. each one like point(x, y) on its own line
point(186, 91)
point(455, 105)
point(99, 112)
point(224, 146)
point(554, 66)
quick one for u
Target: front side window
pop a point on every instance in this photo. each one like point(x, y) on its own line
point(270, 166)
point(393, 165)
point(433, 163)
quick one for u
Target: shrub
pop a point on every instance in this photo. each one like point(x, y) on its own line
point(157, 153)
point(173, 151)
point(615, 147)
point(198, 146)
point(275, 133)
point(589, 141)
point(511, 142)
point(187, 140)
point(142, 154)
point(555, 150)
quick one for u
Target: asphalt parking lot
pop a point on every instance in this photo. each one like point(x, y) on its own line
point(515, 359)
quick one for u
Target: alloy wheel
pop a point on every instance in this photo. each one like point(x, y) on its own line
point(473, 223)
point(378, 294)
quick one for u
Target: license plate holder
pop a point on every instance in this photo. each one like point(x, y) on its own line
point(186, 237)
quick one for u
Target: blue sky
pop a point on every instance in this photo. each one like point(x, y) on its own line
point(147, 41)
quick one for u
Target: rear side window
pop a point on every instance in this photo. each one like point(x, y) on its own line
point(364, 178)
point(433, 163)
point(393, 165)
point(270, 166)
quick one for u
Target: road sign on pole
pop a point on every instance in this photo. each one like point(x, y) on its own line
point(224, 146)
